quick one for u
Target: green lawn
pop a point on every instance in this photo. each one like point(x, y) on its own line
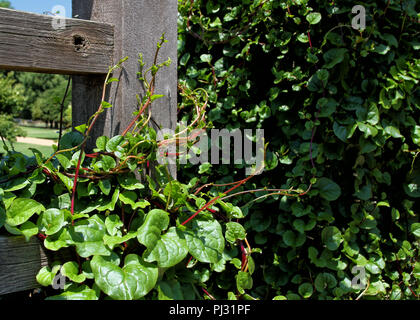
point(24, 148)
point(41, 133)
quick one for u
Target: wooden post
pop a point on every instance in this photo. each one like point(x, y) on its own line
point(20, 262)
point(138, 25)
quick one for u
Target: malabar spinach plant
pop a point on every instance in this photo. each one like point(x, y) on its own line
point(130, 235)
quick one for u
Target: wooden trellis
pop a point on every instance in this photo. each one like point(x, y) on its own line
point(103, 32)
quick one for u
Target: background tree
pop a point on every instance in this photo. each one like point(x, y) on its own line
point(12, 95)
point(5, 4)
point(47, 104)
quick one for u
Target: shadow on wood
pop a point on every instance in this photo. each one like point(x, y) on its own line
point(20, 262)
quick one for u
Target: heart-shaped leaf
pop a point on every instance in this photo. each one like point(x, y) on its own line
point(88, 235)
point(113, 223)
point(51, 221)
point(205, 240)
point(150, 232)
point(131, 282)
point(234, 231)
point(331, 237)
point(46, 275)
point(21, 210)
point(169, 250)
point(328, 189)
point(71, 270)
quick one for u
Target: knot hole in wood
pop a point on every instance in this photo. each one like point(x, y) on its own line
point(80, 43)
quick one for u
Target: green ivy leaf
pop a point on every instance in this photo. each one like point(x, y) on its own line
point(292, 239)
point(313, 17)
point(174, 290)
point(415, 229)
point(113, 223)
point(28, 229)
point(113, 143)
point(205, 240)
point(340, 132)
point(51, 221)
point(234, 231)
point(76, 292)
point(16, 184)
point(149, 233)
point(71, 270)
point(21, 210)
point(129, 182)
point(110, 203)
point(325, 281)
point(306, 290)
point(328, 189)
point(243, 281)
point(61, 239)
point(112, 241)
point(46, 275)
point(131, 282)
point(88, 235)
point(333, 57)
point(169, 250)
point(331, 237)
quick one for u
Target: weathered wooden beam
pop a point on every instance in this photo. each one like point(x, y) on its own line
point(138, 26)
point(32, 42)
point(20, 262)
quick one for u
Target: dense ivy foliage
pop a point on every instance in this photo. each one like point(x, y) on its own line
point(341, 112)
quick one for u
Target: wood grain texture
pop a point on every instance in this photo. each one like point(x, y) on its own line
point(30, 42)
point(20, 262)
point(138, 26)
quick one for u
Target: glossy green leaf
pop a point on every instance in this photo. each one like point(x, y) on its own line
point(243, 281)
point(234, 231)
point(71, 270)
point(205, 240)
point(313, 17)
point(129, 182)
point(51, 221)
point(149, 233)
point(21, 210)
point(324, 281)
point(113, 224)
point(28, 229)
point(131, 282)
point(174, 290)
point(88, 235)
point(76, 292)
point(46, 275)
point(112, 241)
point(415, 229)
point(169, 250)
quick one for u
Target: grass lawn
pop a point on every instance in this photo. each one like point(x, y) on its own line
point(24, 148)
point(41, 133)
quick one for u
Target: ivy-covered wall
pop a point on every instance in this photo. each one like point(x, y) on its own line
point(341, 112)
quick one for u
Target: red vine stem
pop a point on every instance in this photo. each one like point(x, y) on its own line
point(208, 294)
point(309, 38)
point(208, 204)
